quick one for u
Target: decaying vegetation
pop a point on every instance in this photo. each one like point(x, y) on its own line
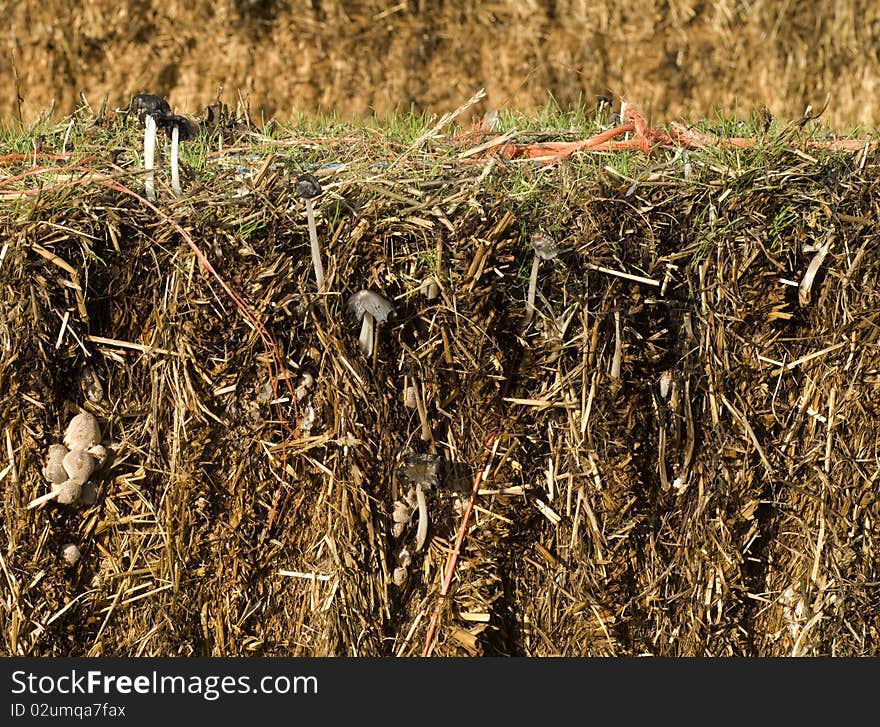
point(675, 451)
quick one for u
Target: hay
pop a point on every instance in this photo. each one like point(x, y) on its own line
point(677, 456)
point(676, 59)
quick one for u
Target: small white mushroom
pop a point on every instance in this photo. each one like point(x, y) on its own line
point(70, 553)
point(430, 289)
point(308, 187)
point(399, 575)
point(304, 385)
point(54, 469)
point(79, 465)
point(67, 493)
point(149, 107)
point(371, 309)
point(82, 432)
point(401, 514)
point(100, 453)
point(545, 248)
point(178, 128)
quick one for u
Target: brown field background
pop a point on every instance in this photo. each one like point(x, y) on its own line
point(675, 59)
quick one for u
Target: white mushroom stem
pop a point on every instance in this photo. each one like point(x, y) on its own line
point(316, 251)
point(533, 287)
point(149, 156)
point(51, 495)
point(175, 172)
point(366, 337)
point(422, 530)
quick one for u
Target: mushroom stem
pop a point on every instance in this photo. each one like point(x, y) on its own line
point(533, 287)
point(422, 530)
point(316, 251)
point(365, 339)
point(149, 156)
point(175, 172)
point(51, 495)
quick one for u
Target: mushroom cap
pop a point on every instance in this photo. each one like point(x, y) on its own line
point(68, 492)
point(79, 465)
point(401, 512)
point(398, 576)
point(366, 301)
point(308, 186)
point(100, 453)
point(149, 103)
point(545, 246)
point(70, 553)
point(54, 469)
point(422, 469)
point(82, 432)
point(167, 121)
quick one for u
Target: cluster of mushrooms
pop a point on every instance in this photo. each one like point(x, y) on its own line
point(419, 476)
point(154, 113)
point(69, 466)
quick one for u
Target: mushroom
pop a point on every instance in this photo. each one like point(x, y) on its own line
point(100, 453)
point(401, 513)
point(422, 530)
point(403, 559)
point(545, 249)
point(66, 493)
point(425, 471)
point(82, 432)
point(370, 308)
point(70, 553)
point(149, 157)
point(308, 187)
point(69, 470)
point(79, 465)
point(179, 128)
point(54, 468)
point(149, 106)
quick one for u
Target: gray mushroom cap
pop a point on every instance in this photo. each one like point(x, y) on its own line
point(366, 301)
point(82, 432)
point(544, 245)
point(422, 469)
point(54, 468)
point(100, 453)
point(79, 465)
point(68, 492)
